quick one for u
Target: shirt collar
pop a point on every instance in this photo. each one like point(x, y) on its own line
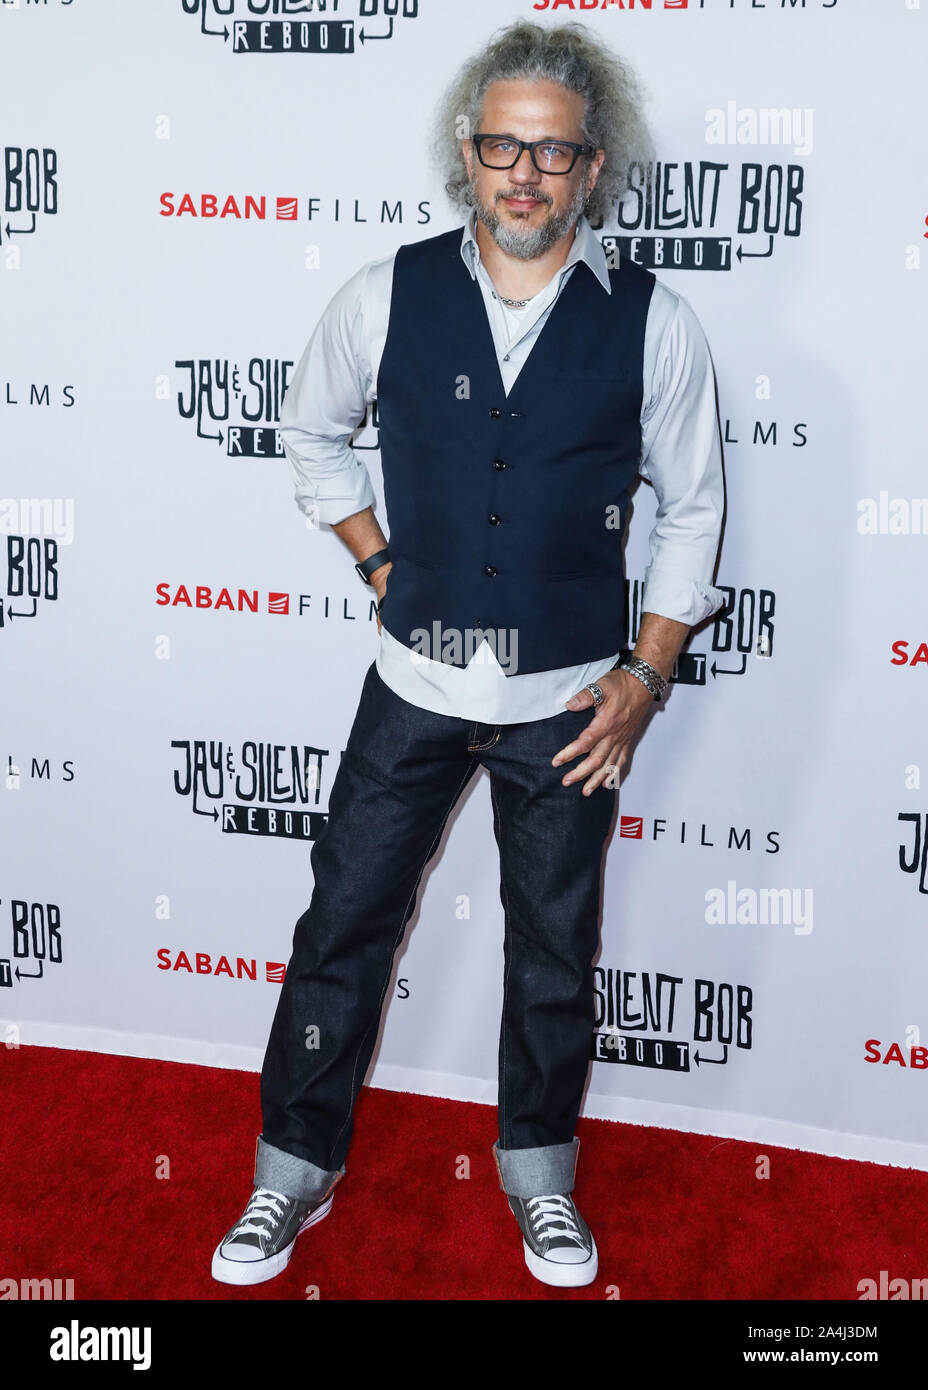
point(586, 247)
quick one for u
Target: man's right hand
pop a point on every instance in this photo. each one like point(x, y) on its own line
point(379, 584)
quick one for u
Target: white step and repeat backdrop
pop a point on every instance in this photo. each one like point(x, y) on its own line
point(185, 185)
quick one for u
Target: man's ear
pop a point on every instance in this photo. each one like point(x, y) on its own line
point(596, 164)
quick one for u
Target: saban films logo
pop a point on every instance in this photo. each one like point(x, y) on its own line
point(230, 967)
point(637, 1016)
point(241, 206)
point(210, 598)
point(253, 789)
point(909, 1055)
point(613, 7)
point(213, 599)
point(699, 833)
point(290, 26)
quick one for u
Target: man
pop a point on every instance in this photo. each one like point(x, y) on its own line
point(522, 384)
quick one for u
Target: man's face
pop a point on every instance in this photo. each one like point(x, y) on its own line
point(526, 211)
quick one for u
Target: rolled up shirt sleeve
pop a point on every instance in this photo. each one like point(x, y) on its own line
point(325, 402)
point(681, 456)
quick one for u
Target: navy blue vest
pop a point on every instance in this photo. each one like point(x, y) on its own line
point(506, 514)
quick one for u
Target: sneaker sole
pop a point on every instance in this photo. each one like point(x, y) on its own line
point(562, 1276)
point(259, 1271)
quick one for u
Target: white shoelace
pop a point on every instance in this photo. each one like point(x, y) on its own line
point(544, 1212)
point(263, 1205)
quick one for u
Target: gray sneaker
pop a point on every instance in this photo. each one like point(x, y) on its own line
point(260, 1244)
point(558, 1244)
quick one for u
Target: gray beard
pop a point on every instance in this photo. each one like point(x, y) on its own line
point(526, 244)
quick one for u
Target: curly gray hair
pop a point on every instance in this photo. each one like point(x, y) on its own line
point(567, 54)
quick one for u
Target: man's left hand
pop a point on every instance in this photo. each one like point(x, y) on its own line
point(606, 738)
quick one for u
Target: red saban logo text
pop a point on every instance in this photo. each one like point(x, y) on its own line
point(246, 208)
point(205, 964)
point(894, 1055)
point(614, 4)
point(235, 600)
point(902, 657)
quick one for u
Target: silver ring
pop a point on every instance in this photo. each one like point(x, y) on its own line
point(596, 691)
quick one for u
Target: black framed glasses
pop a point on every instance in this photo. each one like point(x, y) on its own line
point(548, 156)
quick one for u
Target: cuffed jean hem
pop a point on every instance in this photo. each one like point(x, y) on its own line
point(537, 1172)
point(294, 1177)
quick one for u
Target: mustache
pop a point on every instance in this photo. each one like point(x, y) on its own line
point(524, 193)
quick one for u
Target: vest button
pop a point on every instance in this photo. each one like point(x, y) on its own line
point(493, 519)
point(495, 413)
point(499, 464)
point(490, 571)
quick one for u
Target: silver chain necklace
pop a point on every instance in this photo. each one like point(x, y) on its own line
point(513, 303)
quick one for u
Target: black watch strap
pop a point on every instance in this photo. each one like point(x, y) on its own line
point(373, 562)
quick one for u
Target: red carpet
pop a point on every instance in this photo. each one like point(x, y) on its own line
point(675, 1216)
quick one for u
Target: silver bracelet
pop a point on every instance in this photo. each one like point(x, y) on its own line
point(645, 672)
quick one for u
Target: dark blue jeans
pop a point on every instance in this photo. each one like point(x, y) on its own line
point(402, 772)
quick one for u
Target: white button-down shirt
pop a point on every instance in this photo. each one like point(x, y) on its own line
point(336, 378)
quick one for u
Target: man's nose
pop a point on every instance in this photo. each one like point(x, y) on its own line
point(524, 171)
